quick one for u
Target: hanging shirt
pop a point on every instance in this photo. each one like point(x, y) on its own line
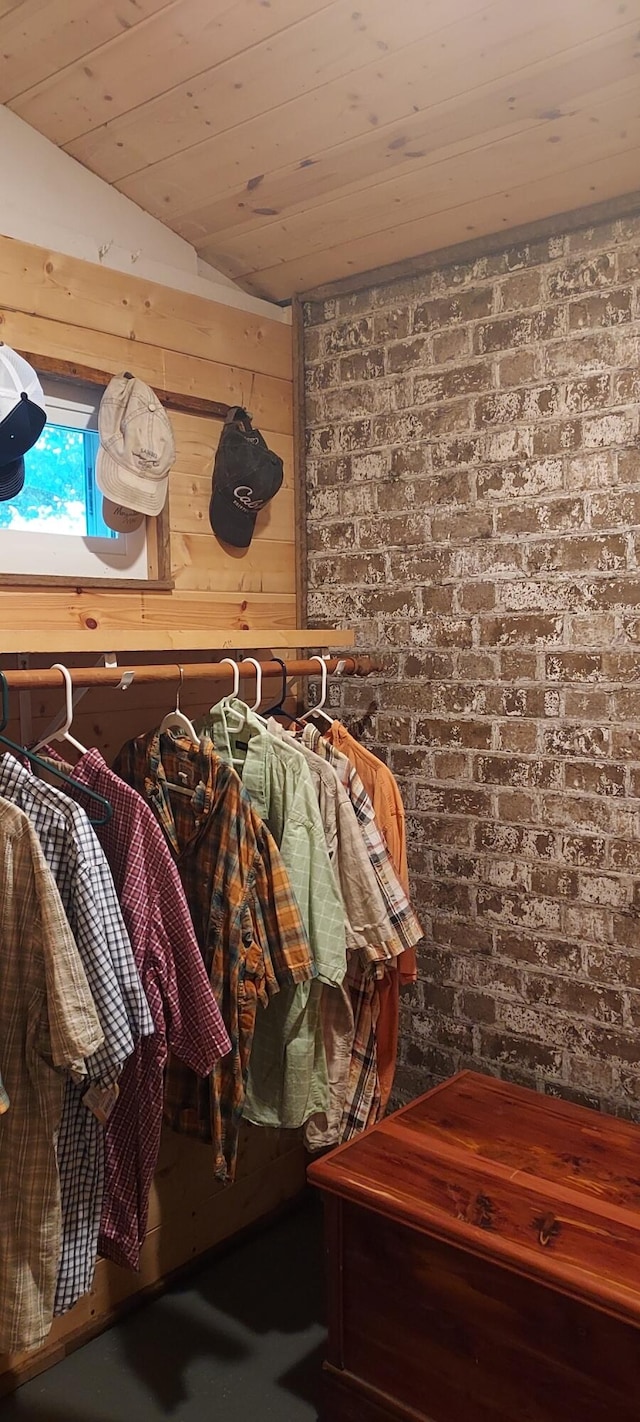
point(288, 1080)
point(354, 1088)
point(90, 902)
point(389, 812)
point(185, 1013)
point(366, 917)
point(246, 918)
point(382, 789)
point(405, 924)
point(363, 1099)
point(48, 1024)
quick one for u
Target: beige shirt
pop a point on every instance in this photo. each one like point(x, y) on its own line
point(48, 1024)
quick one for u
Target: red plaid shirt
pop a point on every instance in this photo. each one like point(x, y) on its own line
point(185, 1013)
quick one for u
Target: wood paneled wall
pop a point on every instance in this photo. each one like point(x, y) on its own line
point(72, 310)
point(62, 308)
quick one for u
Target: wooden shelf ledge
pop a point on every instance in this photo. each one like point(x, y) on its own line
point(62, 620)
point(187, 639)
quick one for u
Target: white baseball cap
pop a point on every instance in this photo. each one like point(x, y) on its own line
point(137, 447)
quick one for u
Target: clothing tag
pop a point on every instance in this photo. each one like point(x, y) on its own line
point(100, 1100)
point(242, 745)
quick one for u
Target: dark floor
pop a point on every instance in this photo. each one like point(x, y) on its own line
point(240, 1341)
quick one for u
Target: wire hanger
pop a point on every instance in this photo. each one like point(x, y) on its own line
point(63, 732)
point(279, 710)
point(176, 719)
point(49, 768)
point(317, 710)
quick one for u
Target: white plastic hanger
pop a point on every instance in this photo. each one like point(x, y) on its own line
point(62, 734)
point(258, 668)
point(236, 675)
point(234, 720)
point(177, 719)
point(317, 710)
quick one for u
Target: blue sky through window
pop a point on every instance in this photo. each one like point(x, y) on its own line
point(60, 494)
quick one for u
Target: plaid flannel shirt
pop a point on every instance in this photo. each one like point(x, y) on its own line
point(407, 928)
point(48, 1024)
point(349, 1012)
point(185, 1012)
point(362, 1099)
point(388, 808)
point(246, 919)
point(362, 1103)
point(288, 1080)
point(86, 888)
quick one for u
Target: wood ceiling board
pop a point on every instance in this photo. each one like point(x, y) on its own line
point(269, 400)
point(7, 6)
point(335, 42)
point(465, 84)
point(186, 40)
point(604, 128)
point(396, 86)
point(546, 88)
point(405, 86)
point(580, 186)
point(65, 289)
point(40, 37)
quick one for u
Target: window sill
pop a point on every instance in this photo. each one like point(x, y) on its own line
point(46, 580)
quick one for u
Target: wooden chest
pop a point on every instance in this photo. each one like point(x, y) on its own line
point(483, 1251)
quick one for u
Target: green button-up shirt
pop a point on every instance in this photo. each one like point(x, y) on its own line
point(288, 1079)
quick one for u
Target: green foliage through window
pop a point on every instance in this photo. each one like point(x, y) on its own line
point(60, 494)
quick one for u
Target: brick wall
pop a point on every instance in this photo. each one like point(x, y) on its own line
point(474, 514)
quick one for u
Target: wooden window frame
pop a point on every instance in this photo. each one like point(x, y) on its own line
point(158, 529)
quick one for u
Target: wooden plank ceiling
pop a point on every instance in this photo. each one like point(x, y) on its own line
point(295, 142)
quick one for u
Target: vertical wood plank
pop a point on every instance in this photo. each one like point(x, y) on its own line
point(299, 461)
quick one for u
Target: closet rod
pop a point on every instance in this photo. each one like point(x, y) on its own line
point(42, 677)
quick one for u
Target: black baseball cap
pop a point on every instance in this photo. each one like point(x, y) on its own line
point(246, 476)
point(22, 418)
point(11, 480)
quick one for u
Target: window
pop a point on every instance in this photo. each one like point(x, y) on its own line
point(55, 525)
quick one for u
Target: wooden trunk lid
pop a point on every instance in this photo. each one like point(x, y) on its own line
point(547, 1188)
